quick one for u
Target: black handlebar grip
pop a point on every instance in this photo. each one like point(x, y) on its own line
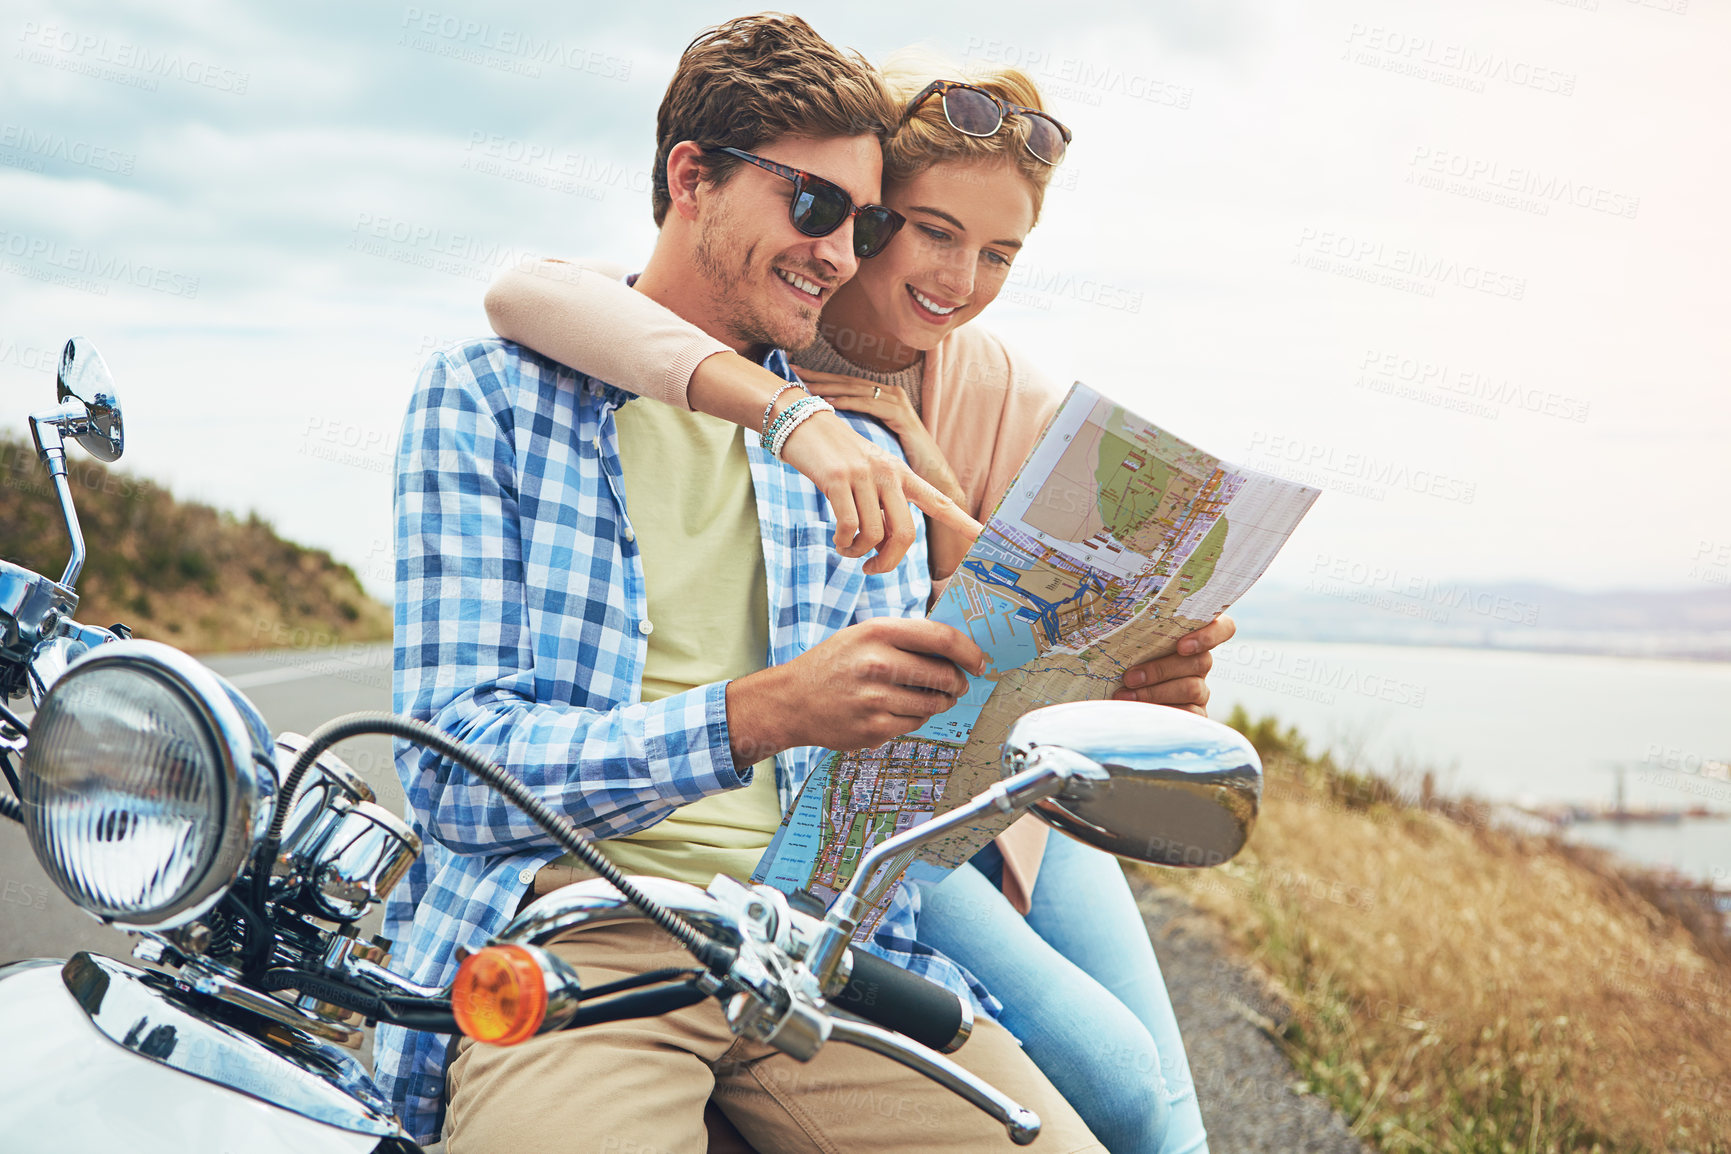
point(884, 993)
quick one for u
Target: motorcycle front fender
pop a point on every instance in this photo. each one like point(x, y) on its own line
point(66, 1086)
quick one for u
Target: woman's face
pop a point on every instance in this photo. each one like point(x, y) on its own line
point(965, 223)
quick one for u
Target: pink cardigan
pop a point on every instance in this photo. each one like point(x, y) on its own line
point(984, 404)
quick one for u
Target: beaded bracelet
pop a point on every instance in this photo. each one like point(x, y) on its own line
point(770, 408)
point(822, 406)
point(781, 422)
point(795, 416)
point(769, 432)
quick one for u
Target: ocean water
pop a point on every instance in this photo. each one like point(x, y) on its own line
point(1527, 728)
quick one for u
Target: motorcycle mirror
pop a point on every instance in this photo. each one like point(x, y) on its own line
point(1181, 790)
point(85, 379)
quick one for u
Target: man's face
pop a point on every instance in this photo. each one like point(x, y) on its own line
point(768, 280)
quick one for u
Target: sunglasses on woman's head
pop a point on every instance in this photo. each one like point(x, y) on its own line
point(820, 206)
point(975, 112)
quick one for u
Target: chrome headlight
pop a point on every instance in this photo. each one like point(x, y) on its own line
point(146, 785)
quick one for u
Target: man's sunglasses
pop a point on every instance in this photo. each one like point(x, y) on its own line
point(820, 206)
point(975, 112)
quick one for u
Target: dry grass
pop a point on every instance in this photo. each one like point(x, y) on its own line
point(177, 571)
point(1463, 988)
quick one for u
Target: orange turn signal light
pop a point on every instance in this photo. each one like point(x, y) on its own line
point(500, 995)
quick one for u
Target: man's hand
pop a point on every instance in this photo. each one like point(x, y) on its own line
point(855, 690)
point(1181, 679)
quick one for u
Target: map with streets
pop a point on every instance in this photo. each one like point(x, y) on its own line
point(1115, 540)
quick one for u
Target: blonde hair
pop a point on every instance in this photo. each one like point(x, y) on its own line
point(926, 137)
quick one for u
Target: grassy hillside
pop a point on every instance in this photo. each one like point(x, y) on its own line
point(176, 571)
point(1459, 987)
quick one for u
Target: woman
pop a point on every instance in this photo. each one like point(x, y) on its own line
point(967, 170)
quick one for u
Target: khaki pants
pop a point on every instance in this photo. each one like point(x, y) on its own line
point(640, 1086)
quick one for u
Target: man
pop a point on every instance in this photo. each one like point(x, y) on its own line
point(580, 598)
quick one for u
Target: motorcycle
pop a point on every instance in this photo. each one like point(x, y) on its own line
point(157, 801)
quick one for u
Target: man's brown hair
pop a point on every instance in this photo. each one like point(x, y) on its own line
point(756, 79)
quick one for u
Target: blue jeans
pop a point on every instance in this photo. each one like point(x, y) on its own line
point(1081, 990)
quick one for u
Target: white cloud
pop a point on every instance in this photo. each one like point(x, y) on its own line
point(1214, 149)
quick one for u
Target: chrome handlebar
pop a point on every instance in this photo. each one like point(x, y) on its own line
point(788, 965)
point(38, 638)
point(770, 993)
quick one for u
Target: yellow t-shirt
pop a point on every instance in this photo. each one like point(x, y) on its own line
point(689, 498)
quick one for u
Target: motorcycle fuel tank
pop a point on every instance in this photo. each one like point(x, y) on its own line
point(65, 1086)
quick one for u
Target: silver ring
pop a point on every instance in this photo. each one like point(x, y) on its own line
point(876, 389)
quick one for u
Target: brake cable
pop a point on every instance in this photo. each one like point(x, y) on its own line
point(712, 954)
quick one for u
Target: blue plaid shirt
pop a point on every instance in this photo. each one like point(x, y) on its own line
point(521, 624)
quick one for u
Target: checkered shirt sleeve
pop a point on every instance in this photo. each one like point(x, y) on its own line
point(519, 603)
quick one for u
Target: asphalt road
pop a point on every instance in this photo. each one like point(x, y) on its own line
point(296, 690)
point(1227, 1014)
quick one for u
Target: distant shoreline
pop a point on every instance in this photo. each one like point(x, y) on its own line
point(1718, 655)
point(1376, 608)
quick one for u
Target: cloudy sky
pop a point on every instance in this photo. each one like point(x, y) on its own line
point(1462, 264)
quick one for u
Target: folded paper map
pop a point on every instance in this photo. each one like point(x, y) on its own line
point(1115, 540)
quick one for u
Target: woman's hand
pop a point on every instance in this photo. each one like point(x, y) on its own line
point(891, 406)
point(1179, 679)
point(869, 490)
point(951, 537)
